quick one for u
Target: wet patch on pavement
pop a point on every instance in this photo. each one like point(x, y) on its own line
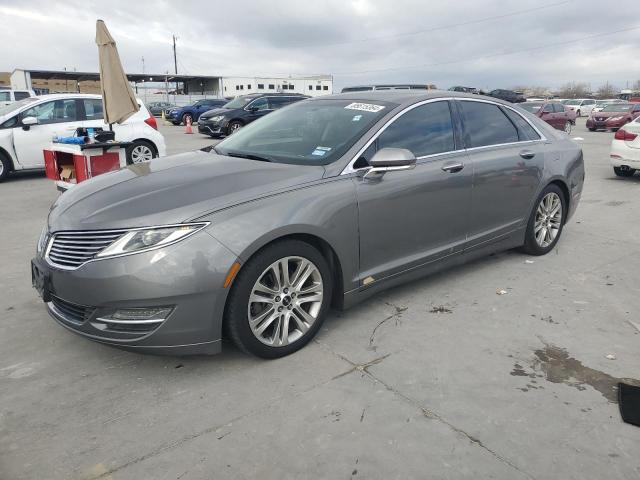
point(557, 366)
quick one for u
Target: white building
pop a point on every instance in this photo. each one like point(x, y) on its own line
point(312, 85)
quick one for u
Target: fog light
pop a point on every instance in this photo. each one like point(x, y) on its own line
point(138, 315)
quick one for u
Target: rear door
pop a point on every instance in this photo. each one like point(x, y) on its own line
point(409, 218)
point(55, 118)
point(508, 159)
point(258, 108)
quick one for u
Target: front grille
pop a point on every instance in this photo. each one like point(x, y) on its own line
point(72, 249)
point(71, 312)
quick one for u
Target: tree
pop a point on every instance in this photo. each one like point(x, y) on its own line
point(607, 91)
point(574, 90)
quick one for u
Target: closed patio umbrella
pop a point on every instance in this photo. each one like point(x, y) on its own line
point(118, 100)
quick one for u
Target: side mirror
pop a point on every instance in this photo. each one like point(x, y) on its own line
point(253, 109)
point(390, 160)
point(27, 122)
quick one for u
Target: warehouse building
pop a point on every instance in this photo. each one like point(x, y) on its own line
point(57, 81)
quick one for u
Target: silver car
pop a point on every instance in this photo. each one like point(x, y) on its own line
point(318, 205)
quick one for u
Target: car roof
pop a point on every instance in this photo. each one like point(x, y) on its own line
point(404, 97)
point(56, 96)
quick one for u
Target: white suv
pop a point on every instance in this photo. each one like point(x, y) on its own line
point(10, 96)
point(582, 106)
point(60, 115)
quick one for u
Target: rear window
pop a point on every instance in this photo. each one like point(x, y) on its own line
point(5, 96)
point(487, 125)
point(21, 95)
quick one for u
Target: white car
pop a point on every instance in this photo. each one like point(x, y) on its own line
point(600, 104)
point(28, 126)
point(625, 149)
point(10, 96)
point(582, 106)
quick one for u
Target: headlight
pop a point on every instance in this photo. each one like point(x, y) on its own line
point(217, 118)
point(42, 241)
point(141, 240)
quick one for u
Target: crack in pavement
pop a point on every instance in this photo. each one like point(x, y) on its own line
point(425, 411)
point(187, 438)
point(397, 314)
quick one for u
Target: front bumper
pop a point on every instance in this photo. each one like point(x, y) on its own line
point(211, 128)
point(605, 124)
point(186, 277)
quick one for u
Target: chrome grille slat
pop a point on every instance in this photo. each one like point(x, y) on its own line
point(72, 249)
point(71, 312)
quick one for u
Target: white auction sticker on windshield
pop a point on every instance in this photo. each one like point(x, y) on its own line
point(365, 107)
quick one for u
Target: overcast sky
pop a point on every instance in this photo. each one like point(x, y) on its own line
point(534, 42)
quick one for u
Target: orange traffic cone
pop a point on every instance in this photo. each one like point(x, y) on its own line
point(187, 128)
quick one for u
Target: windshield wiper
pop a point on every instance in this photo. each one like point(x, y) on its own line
point(248, 156)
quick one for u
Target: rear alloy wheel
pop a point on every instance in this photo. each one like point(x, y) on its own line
point(546, 222)
point(624, 172)
point(234, 127)
point(139, 152)
point(567, 128)
point(279, 299)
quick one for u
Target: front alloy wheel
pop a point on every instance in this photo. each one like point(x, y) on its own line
point(279, 299)
point(285, 301)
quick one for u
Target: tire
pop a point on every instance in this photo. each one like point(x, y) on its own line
point(176, 123)
point(546, 201)
point(578, 113)
point(5, 167)
point(567, 128)
point(187, 116)
point(627, 172)
point(140, 151)
point(592, 129)
point(283, 307)
point(234, 126)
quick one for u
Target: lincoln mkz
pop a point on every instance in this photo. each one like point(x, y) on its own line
point(321, 204)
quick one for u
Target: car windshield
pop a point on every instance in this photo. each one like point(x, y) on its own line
point(620, 107)
point(7, 109)
point(238, 102)
point(532, 107)
point(573, 102)
point(312, 132)
point(356, 89)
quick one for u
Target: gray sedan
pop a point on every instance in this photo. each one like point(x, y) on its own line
point(318, 205)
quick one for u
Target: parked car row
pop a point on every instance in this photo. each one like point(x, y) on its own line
point(28, 126)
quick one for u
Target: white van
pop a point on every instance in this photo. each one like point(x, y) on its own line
point(10, 96)
point(28, 126)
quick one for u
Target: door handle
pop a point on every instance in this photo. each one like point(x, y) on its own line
point(453, 167)
point(527, 154)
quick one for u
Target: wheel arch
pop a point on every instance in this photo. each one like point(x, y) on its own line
point(560, 183)
point(6, 155)
point(315, 240)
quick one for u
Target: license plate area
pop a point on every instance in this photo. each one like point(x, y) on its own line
point(40, 281)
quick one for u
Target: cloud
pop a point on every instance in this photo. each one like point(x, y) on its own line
point(488, 44)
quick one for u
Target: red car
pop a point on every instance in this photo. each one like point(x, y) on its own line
point(554, 113)
point(613, 116)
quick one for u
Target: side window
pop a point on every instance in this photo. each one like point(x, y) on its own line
point(487, 125)
point(21, 95)
point(548, 108)
point(279, 102)
point(93, 108)
point(5, 96)
point(12, 122)
point(58, 111)
point(260, 104)
point(526, 131)
point(425, 130)
point(559, 108)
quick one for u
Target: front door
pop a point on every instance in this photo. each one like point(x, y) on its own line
point(508, 160)
point(409, 218)
point(56, 118)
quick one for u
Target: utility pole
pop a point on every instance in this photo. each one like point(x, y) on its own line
point(175, 61)
point(143, 65)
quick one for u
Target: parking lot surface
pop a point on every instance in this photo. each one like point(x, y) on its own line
point(496, 369)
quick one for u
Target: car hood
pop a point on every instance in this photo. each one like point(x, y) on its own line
point(611, 114)
point(215, 111)
point(172, 190)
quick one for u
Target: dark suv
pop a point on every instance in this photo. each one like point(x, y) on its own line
point(243, 110)
point(508, 95)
